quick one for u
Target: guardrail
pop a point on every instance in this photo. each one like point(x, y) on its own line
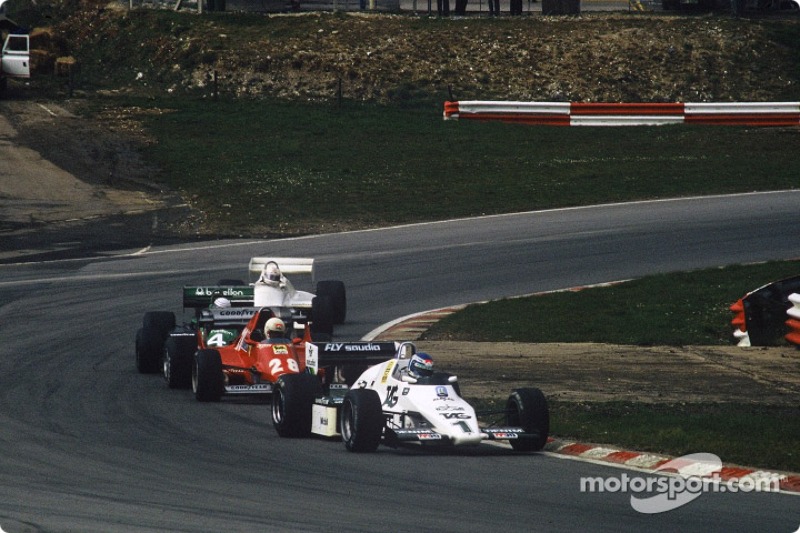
point(760, 316)
point(793, 324)
point(627, 114)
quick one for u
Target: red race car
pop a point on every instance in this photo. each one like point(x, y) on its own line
point(223, 350)
point(252, 363)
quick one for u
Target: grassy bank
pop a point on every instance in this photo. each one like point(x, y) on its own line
point(266, 168)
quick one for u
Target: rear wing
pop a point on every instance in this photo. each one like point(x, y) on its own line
point(287, 265)
point(200, 297)
point(227, 318)
point(322, 354)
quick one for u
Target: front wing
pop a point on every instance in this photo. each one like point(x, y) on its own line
point(398, 436)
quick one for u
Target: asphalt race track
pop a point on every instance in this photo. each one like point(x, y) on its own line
point(90, 445)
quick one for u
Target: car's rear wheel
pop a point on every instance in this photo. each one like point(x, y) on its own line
point(528, 409)
point(322, 318)
point(177, 363)
point(164, 321)
point(292, 403)
point(150, 338)
point(207, 379)
point(149, 345)
point(361, 420)
point(334, 290)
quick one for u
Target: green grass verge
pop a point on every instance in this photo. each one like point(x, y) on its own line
point(687, 308)
point(755, 436)
point(263, 167)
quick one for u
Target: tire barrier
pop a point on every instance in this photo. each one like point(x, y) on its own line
point(622, 114)
point(760, 316)
point(793, 324)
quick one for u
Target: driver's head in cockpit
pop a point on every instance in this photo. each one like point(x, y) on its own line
point(271, 274)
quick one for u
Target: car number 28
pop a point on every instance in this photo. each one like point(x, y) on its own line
point(276, 366)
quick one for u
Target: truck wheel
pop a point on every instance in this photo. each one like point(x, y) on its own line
point(322, 315)
point(149, 347)
point(334, 290)
point(361, 423)
point(177, 364)
point(292, 402)
point(527, 408)
point(207, 378)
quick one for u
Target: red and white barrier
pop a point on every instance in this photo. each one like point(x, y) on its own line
point(622, 114)
point(739, 323)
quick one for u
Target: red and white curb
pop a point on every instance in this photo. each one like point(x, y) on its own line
point(410, 327)
point(653, 463)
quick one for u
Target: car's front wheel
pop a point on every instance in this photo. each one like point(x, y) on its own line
point(528, 409)
point(292, 403)
point(361, 421)
point(207, 379)
point(177, 363)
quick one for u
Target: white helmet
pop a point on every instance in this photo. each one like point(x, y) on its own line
point(271, 275)
point(221, 303)
point(275, 327)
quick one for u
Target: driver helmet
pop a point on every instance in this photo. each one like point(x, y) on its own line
point(275, 327)
point(420, 365)
point(271, 275)
point(221, 303)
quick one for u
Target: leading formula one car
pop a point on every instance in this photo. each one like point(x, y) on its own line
point(386, 404)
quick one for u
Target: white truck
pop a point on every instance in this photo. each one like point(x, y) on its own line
point(15, 61)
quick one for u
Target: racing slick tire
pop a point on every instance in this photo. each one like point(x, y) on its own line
point(155, 329)
point(322, 318)
point(527, 408)
point(334, 290)
point(164, 321)
point(149, 346)
point(177, 361)
point(207, 383)
point(292, 403)
point(361, 420)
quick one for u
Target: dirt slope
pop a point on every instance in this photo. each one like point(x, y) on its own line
point(632, 57)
